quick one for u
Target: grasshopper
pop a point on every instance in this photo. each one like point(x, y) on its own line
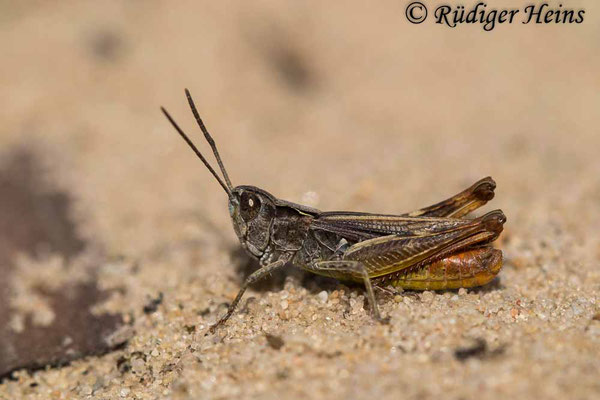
point(433, 248)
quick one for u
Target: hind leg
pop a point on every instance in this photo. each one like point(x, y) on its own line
point(461, 204)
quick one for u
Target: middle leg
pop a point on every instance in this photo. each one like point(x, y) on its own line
point(350, 270)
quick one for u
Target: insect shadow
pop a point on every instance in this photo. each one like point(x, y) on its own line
point(245, 265)
point(495, 284)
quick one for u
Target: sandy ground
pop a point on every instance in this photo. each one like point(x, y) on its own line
point(337, 106)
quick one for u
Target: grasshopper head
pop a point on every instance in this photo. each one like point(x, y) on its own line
point(252, 211)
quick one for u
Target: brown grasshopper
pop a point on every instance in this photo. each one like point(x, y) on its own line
point(434, 248)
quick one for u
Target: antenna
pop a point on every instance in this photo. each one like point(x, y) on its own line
point(209, 138)
point(195, 149)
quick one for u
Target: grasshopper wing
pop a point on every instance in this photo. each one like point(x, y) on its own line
point(387, 244)
point(356, 226)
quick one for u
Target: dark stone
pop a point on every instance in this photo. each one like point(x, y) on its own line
point(153, 304)
point(35, 219)
point(478, 349)
point(274, 342)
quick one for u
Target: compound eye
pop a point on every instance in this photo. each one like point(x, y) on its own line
point(249, 206)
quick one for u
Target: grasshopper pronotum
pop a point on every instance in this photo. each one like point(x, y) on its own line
point(434, 248)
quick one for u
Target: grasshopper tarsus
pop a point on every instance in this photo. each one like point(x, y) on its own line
point(433, 248)
point(213, 328)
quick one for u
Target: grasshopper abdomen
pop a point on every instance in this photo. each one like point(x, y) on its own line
point(467, 269)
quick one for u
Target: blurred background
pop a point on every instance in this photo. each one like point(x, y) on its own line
point(338, 105)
